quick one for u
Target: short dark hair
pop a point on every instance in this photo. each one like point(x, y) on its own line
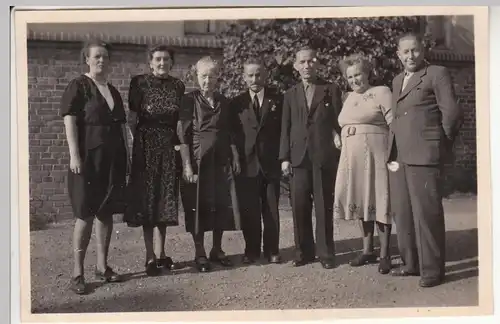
point(355, 59)
point(93, 42)
point(306, 48)
point(160, 48)
point(257, 60)
point(406, 35)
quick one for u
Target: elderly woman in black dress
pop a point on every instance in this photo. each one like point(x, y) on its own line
point(94, 119)
point(154, 100)
point(210, 162)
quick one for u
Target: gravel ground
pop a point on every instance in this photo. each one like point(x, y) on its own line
point(256, 287)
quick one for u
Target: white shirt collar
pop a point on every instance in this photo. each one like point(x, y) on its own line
point(260, 95)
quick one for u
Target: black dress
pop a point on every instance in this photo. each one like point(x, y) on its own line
point(154, 180)
point(210, 203)
point(97, 190)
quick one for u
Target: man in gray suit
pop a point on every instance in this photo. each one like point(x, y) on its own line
point(426, 122)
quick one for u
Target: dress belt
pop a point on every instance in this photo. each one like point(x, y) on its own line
point(351, 130)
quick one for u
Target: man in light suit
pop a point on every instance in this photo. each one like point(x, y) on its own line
point(309, 154)
point(259, 114)
point(426, 122)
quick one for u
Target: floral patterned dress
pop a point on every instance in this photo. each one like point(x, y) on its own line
point(154, 179)
point(362, 185)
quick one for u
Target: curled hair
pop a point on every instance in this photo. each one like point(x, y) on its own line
point(207, 60)
point(84, 54)
point(160, 48)
point(355, 59)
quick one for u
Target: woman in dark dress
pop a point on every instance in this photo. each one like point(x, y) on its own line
point(154, 101)
point(210, 162)
point(95, 121)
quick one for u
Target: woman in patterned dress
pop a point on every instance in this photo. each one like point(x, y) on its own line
point(94, 119)
point(210, 163)
point(154, 101)
point(362, 185)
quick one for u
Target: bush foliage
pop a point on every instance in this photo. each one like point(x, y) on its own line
point(278, 40)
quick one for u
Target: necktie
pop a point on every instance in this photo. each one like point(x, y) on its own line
point(405, 80)
point(309, 95)
point(256, 106)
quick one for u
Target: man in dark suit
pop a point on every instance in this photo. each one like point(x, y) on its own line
point(259, 111)
point(309, 155)
point(426, 122)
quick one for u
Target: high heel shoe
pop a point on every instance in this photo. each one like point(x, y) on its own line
point(151, 268)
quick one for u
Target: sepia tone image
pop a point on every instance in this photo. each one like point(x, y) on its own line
point(252, 164)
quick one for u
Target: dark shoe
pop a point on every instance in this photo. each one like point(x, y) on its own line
point(274, 258)
point(363, 259)
point(402, 272)
point(108, 276)
point(248, 259)
point(384, 266)
point(166, 263)
point(202, 264)
point(328, 263)
point(221, 259)
point(152, 268)
point(301, 262)
point(430, 282)
point(77, 285)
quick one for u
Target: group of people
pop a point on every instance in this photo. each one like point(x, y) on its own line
point(372, 154)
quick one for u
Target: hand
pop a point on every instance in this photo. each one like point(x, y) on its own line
point(286, 168)
point(189, 174)
point(75, 164)
point(236, 167)
point(337, 141)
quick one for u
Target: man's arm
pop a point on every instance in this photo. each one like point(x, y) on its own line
point(452, 114)
point(284, 154)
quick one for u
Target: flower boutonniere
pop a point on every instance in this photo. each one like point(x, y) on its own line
point(273, 105)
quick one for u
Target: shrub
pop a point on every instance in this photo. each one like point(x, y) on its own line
point(277, 41)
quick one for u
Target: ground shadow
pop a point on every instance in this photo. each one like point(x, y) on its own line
point(460, 245)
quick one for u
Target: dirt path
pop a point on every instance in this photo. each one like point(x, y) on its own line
point(260, 286)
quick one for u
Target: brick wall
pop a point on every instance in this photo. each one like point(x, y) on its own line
point(461, 175)
point(52, 63)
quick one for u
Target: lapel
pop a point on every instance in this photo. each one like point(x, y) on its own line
point(414, 81)
point(266, 103)
point(300, 95)
point(251, 113)
point(319, 94)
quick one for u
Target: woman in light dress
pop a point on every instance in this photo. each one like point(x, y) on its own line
point(362, 185)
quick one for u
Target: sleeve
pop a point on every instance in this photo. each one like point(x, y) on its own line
point(385, 104)
point(235, 127)
point(72, 100)
point(181, 88)
point(452, 114)
point(337, 104)
point(185, 124)
point(284, 154)
point(135, 95)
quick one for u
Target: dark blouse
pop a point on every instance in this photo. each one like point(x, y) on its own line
point(94, 118)
point(207, 128)
point(156, 100)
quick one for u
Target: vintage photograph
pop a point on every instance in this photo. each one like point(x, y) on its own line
point(252, 164)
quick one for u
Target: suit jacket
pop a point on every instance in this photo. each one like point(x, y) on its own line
point(311, 131)
point(426, 117)
point(259, 140)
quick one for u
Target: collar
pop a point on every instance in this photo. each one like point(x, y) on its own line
point(260, 95)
